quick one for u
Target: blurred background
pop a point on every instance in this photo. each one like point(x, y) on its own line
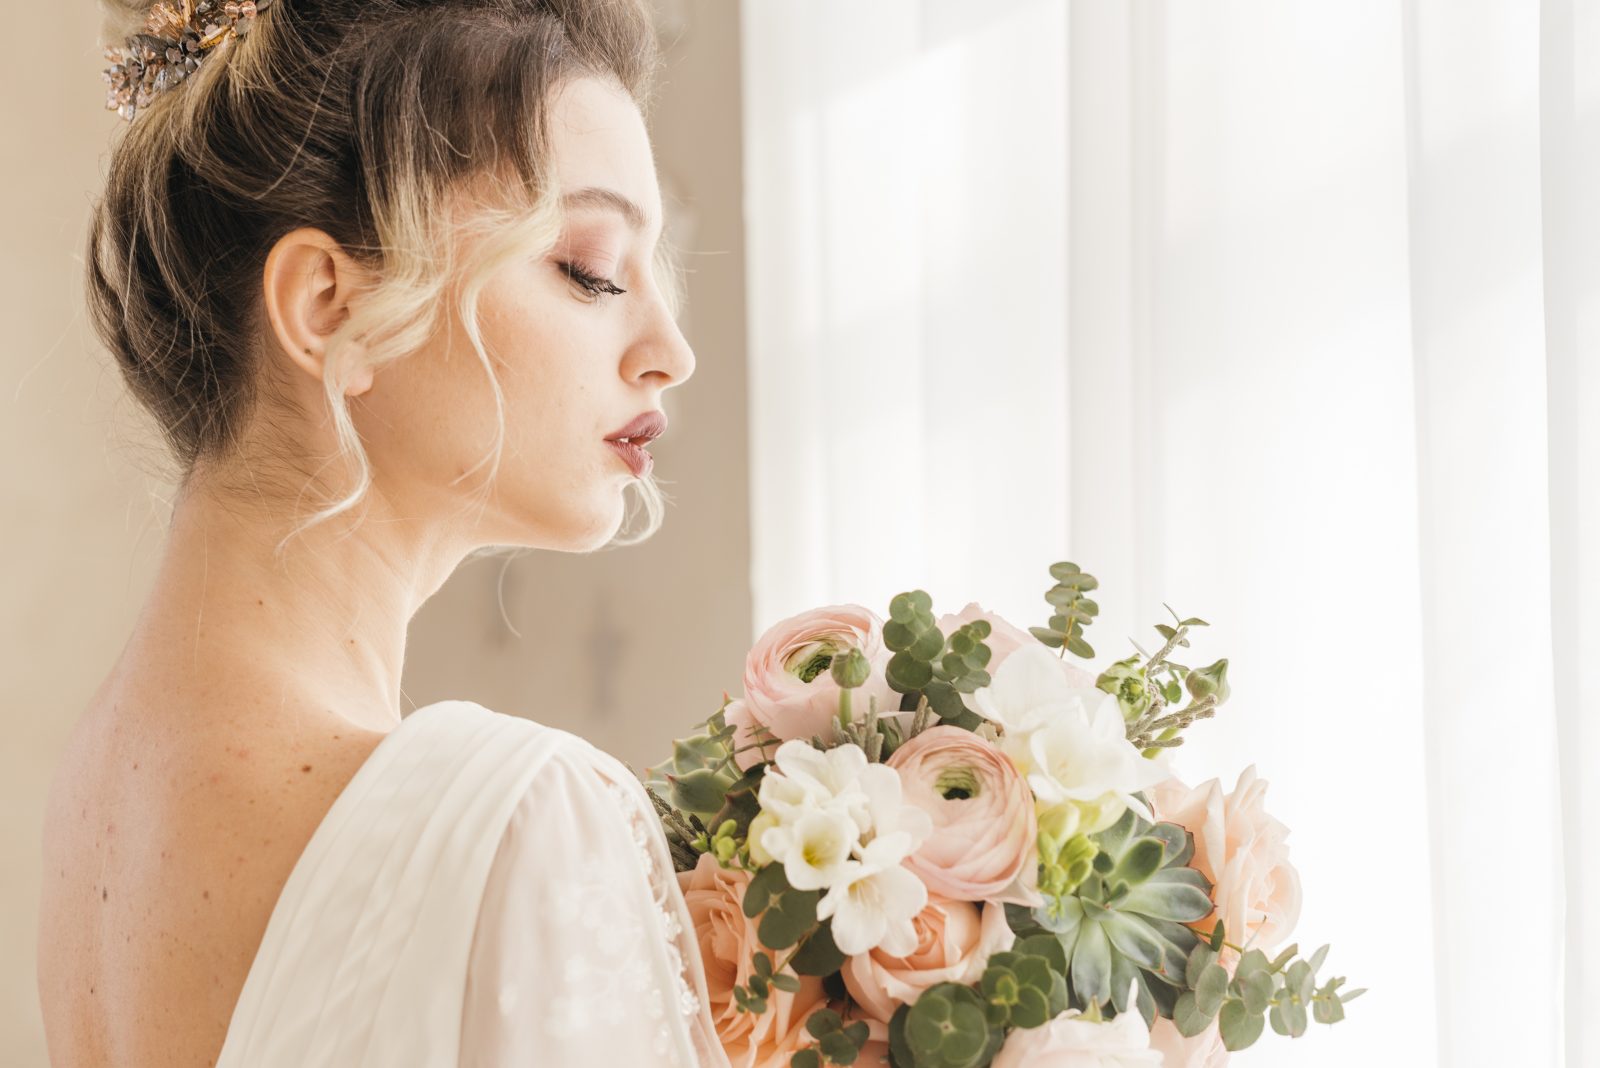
point(1284, 315)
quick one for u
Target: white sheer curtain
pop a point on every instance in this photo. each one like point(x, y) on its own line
point(1286, 315)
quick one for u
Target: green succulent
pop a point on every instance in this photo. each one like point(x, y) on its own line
point(1125, 923)
point(696, 778)
point(1026, 985)
point(948, 1026)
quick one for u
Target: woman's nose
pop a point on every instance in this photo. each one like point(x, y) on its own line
point(663, 350)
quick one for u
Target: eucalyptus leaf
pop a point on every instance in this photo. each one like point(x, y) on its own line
point(1300, 979)
point(768, 881)
point(1188, 1017)
point(1048, 637)
point(1317, 958)
point(819, 955)
point(1201, 957)
point(1240, 1028)
point(1211, 989)
point(788, 918)
point(1258, 992)
point(1288, 1018)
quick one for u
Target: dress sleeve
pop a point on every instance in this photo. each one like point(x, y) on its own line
point(584, 952)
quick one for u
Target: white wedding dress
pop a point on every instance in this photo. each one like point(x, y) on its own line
point(486, 891)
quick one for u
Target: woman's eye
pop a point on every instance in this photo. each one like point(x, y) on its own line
point(596, 287)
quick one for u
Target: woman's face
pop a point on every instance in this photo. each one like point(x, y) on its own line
point(574, 366)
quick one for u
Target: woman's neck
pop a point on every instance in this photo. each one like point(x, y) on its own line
point(325, 621)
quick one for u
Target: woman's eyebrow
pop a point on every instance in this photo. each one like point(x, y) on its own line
point(595, 196)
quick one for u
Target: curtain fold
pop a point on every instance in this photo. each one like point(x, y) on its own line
point(1483, 503)
point(1570, 155)
point(1283, 315)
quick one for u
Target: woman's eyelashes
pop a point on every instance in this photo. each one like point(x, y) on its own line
point(595, 286)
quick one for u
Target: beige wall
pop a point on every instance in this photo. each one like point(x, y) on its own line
point(626, 647)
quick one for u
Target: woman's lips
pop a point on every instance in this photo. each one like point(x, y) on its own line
point(637, 459)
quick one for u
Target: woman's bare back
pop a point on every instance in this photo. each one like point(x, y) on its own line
point(170, 830)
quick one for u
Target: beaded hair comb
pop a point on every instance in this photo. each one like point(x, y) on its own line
point(176, 37)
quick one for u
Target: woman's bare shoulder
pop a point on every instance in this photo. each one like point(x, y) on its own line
point(169, 834)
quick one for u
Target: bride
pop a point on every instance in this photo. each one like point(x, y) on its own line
point(386, 273)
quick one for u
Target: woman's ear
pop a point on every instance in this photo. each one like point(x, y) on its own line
point(308, 286)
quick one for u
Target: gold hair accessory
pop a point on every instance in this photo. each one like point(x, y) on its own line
point(176, 38)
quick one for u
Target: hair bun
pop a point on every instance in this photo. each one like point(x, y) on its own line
point(174, 42)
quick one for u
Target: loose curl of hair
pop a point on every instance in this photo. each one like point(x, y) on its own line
point(359, 118)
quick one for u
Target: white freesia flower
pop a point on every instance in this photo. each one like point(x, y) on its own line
point(874, 902)
point(1070, 742)
point(1028, 691)
point(805, 780)
point(823, 773)
point(1085, 759)
point(901, 827)
point(814, 848)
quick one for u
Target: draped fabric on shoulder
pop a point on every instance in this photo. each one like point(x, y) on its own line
point(485, 891)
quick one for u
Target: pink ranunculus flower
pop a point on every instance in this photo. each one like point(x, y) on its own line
point(984, 845)
point(1204, 1050)
point(954, 942)
point(1243, 851)
point(727, 941)
point(788, 687)
point(1005, 639)
point(1070, 1041)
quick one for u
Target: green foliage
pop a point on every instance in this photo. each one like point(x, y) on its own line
point(1063, 869)
point(1209, 680)
point(696, 778)
point(1125, 924)
point(927, 665)
point(946, 1027)
point(1073, 611)
point(1025, 986)
point(1144, 696)
point(787, 915)
point(851, 670)
point(1126, 681)
point(1260, 991)
point(818, 955)
point(837, 1042)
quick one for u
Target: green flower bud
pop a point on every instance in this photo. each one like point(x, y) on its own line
point(851, 669)
point(1126, 681)
point(1212, 679)
point(758, 827)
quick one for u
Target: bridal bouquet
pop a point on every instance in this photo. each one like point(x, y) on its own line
point(937, 843)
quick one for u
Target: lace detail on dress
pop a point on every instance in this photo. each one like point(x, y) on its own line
point(658, 869)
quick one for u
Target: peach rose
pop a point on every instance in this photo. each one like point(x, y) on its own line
point(1005, 639)
point(954, 943)
point(1204, 1050)
point(984, 846)
point(788, 688)
point(727, 942)
point(1242, 850)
